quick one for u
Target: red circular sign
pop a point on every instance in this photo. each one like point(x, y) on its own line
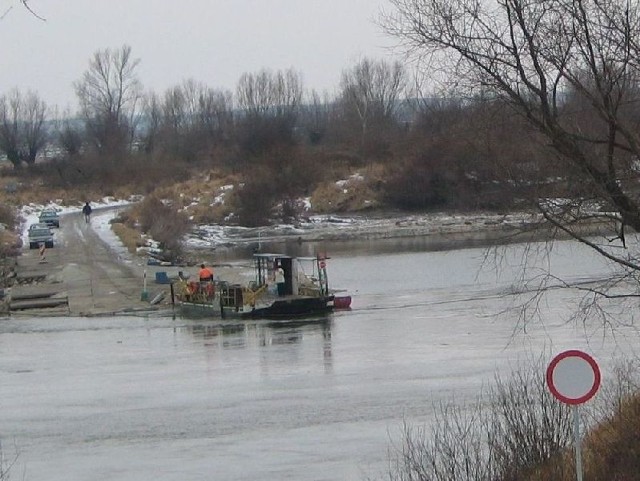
point(573, 377)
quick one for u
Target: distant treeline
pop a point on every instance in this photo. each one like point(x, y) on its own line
point(417, 152)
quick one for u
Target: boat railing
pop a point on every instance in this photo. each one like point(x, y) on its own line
point(252, 294)
point(194, 291)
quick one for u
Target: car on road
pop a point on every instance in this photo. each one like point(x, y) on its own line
point(40, 234)
point(39, 225)
point(49, 217)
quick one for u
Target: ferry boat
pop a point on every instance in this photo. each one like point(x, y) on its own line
point(283, 288)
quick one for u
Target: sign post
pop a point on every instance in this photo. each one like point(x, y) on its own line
point(144, 296)
point(573, 378)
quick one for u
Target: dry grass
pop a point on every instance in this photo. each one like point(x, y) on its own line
point(129, 236)
point(354, 195)
point(610, 451)
point(613, 448)
point(18, 192)
point(10, 243)
point(198, 196)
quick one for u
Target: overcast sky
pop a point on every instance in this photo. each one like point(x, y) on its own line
point(211, 41)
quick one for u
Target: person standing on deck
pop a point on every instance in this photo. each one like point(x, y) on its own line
point(205, 274)
point(280, 280)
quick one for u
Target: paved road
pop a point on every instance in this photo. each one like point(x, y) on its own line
point(83, 267)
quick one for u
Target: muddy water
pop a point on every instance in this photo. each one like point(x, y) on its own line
point(161, 399)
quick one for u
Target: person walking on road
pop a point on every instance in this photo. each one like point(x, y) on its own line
point(86, 210)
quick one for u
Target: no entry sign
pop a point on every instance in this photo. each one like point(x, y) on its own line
point(573, 377)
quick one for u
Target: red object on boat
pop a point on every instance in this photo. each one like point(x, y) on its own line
point(342, 302)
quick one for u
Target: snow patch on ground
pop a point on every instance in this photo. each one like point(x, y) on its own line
point(314, 227)
point(100, 221)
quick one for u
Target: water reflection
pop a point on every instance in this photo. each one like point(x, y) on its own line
point(309, 400)
point(280, 343)
point(226, 336)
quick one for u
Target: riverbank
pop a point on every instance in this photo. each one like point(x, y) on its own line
point(438, 230)
point(89, 272)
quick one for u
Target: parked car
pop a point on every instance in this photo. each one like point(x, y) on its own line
point(49, 217)
point(39, 225)
point(40, 234)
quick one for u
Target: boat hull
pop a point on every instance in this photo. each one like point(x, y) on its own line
point(287, 308)
point(342, 302)
point(294, 308)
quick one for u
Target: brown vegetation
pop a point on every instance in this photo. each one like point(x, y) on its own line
point(129, 236)
point(517, 431)
point(10, 241)
point(613, 447)
point(514, 138)
point(161, 221)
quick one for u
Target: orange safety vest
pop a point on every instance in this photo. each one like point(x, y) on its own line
point(206, 274)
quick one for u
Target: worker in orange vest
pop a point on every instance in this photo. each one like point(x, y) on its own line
point(205, 274)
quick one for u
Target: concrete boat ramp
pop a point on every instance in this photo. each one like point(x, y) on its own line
point(80, 276)
point(34, 298)
point(37, 284)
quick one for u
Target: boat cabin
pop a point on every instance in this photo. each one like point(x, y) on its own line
point(302, 275)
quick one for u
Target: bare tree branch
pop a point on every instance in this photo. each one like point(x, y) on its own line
point(571, 69)
point(28, 7)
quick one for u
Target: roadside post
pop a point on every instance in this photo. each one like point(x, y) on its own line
point(573, 378)
point(145, 294)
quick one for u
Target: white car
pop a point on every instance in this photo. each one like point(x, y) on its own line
point(49, 217)
point(40, 234)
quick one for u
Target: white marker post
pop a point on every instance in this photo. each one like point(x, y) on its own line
point(144, 296)
point(573, 378)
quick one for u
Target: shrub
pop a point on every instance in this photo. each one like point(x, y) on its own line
point(161, 221)
point(517, 431)
point(612, 448)
point(417, 185)
point(8, 217)
point(354, 194)
point(512, 430)
point(254, 199)
point(10, 241)
point(129, 237)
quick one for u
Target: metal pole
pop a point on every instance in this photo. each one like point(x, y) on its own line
point(145, 295)
point(576, 433)
point(173, 300)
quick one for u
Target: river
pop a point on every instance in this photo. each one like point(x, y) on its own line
point(152, 398)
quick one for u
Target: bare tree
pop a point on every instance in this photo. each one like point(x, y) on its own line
point(372, 90)
point(562, 65)
point(109, 93)
point(178, 119)
point(35, 133)
point(69, 134)
point(22, 126)
point(10, 116)
point(269, 93)
point(270, 105)
point(194, 119)
point(316, 115)
point(215, 111)
point(152, 114)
